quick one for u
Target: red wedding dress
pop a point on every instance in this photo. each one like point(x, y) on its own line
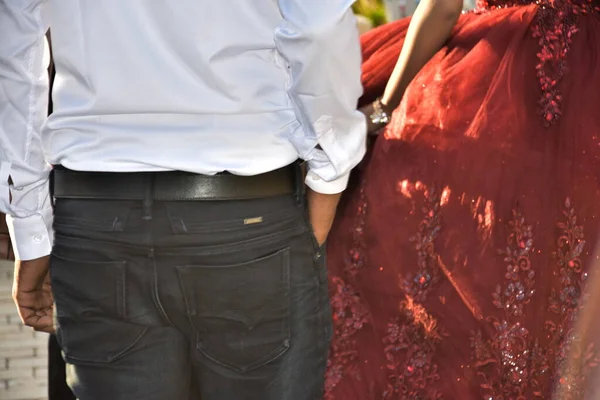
point(466, 245)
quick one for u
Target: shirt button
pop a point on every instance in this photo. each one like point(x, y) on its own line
point(37, 238)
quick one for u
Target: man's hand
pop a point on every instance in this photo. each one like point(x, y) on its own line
point(32, 294)
point(321, 212)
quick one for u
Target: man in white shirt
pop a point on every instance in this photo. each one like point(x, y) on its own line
point(181, 246)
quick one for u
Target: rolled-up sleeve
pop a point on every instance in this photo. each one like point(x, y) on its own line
point(319, 42)
point(24, 189)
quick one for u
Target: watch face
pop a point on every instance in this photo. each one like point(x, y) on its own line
point(379, 117)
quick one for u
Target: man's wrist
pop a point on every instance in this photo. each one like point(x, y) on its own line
point(321, 211)
point(31, 236)
point(319, 185)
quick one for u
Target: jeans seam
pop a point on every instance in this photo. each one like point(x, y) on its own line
point(156, 297)
point(116, 356)
point(122, 304)
point(225, 248)
point(192, 227)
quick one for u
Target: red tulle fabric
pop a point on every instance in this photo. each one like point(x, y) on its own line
point(463, 260)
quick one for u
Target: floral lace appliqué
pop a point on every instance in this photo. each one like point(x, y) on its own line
point(349, 313)
point(519, 275)
point(349, 316)
point(574, 360)
point(420, 284)
point(554, 26)
point(514, 365)
point(410, 345)
point(357, 250)
point(507, 364)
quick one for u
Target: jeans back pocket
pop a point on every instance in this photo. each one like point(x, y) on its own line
point(240, 312)
point(90, 310)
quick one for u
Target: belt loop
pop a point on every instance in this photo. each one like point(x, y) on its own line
point(148, 201)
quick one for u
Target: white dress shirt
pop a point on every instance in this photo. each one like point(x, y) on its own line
point(154, 85)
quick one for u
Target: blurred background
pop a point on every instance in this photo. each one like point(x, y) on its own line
point(373, 13)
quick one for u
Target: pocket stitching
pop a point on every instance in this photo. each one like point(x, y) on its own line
point(237, 246)
point(120, 301)
point(120, 310)
point(120, 218)
point(286, 334)
point(271, 356)
point(99, 226)
point(108, 360)
point(191, 227)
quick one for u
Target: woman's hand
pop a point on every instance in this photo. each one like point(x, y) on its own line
point(430, 27)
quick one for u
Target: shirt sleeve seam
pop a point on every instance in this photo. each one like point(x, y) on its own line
point(299, 110)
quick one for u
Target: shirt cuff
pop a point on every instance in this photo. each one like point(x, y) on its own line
point(338, 185)
point(31, 236)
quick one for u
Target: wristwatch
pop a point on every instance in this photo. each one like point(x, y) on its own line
point(379, 115)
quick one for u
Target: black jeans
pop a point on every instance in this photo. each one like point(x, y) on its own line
point(206, 300)
point(57, 380)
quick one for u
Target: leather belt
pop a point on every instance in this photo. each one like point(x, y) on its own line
point(173, 185)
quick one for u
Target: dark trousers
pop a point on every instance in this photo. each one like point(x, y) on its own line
point(57, 380)
point(223, 300)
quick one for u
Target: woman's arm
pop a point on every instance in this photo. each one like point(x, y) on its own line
point(429, 29)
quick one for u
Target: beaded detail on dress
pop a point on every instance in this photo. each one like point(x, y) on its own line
point(511, 362)
point(349, 313)
point(553, 28)
point(494, 4)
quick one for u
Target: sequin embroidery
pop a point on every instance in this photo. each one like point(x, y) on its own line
point(349, 313)
point(410, 346)
point(512, 363)
point(420, 284)
point(554, 26)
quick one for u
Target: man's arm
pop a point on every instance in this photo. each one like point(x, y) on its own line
point(319, 42)
point(24, 194)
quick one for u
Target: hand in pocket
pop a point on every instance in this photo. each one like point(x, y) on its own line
point(321, 212)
